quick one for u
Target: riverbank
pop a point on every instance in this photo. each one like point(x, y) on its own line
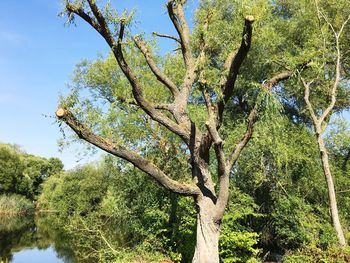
point(14, 205)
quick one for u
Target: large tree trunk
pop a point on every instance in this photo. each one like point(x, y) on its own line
point(331, 192)
point(207, 243)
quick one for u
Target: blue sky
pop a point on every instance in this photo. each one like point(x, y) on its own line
point(37, 55)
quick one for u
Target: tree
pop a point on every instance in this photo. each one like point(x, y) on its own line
point(327, 78)
point(205, 88)
point(314, 37)
point(11, 172)
point(23, 173)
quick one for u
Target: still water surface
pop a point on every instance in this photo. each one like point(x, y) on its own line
point(37, 256)
point(32, 240)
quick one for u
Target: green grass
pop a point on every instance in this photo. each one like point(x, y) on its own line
point(15, 205)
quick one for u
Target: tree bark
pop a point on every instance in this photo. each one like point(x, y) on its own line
point(331, 192)
point(207, 239)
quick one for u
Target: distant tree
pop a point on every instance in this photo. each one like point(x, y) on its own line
point(22, 173)
point(11, 172)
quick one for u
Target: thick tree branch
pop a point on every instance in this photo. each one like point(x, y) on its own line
point(277, 79)
point(224, 181)
point(177, 16)
point(105, 32)
point(140, 162)
point(212, 134)
point(236, 62)
point(238, 59)
point(211, 122)
point(153, 66)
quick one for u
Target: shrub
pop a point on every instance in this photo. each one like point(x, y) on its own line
point(15, 205)
point(316, 255)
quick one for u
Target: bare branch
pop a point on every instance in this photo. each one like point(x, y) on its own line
point(211, 109)
point(245, 139)
point(177, 16)
point(164, 106)
point(153, 66)
point(166, 36)
point(309, 106)
point(213, 133)
point(224, 182)
point(319, 120)
point(105, 32)
point(140, 162)
point(211, 123)
point(343, 26)
point(239, 57)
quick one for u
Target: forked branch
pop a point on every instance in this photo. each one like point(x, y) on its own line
point(319, 120)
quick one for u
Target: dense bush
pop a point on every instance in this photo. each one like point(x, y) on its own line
point(316, 255)
point(79, 191)
point(15, 205)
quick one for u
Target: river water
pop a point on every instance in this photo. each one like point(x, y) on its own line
point(33, 240)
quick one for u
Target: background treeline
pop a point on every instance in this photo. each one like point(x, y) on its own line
point(21, 176)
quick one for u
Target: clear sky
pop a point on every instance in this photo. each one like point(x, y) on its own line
point(37, 55)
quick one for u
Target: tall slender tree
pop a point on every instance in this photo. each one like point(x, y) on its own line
point(327, 81)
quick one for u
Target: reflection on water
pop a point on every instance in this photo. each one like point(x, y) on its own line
point(36, 256)
point(29, 239)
